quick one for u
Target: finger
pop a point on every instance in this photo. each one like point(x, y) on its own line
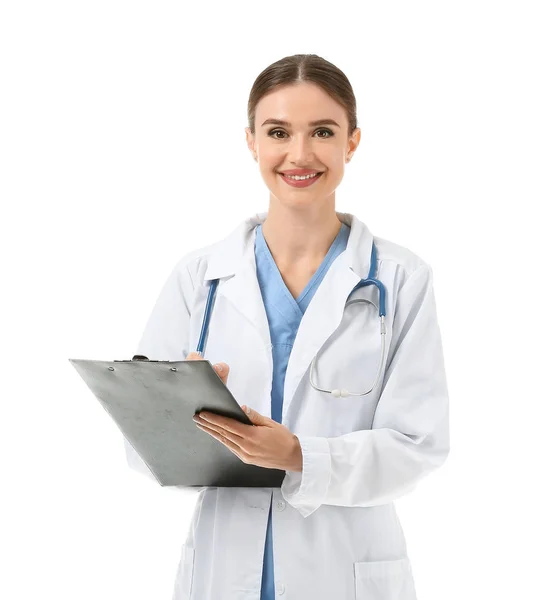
point(223, 373)
point(231, 431)
point(222, 369)
point(229, 428)
point(228, 424)
point(232, 446)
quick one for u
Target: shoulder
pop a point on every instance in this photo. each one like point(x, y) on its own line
point(220, 257)
point(407, 260)
point(408, 271)
point(191, 266)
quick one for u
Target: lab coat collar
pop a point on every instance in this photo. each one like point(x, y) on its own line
point(236, 250)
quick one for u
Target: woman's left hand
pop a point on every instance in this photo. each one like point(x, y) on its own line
point(267, 444)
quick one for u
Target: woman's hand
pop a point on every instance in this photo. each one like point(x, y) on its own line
point(223, 371)
point(267, 444)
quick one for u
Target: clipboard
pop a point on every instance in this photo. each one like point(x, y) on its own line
point(152, 403)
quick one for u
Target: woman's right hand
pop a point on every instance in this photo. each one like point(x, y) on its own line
point(223, 373)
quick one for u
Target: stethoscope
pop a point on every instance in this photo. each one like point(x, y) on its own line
point(371, 280)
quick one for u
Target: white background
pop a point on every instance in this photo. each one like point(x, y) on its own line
point(123, 147)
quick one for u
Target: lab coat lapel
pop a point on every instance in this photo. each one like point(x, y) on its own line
point(321, 319)
point(244, 292)
point(233, 263)
point(326, 309)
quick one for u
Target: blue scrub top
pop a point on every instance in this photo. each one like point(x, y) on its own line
point(284, 313)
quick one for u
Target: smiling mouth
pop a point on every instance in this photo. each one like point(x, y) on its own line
point(301, 183)
point(301, 177)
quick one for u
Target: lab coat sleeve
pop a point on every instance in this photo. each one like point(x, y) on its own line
point(409, 437)
point(165, 337)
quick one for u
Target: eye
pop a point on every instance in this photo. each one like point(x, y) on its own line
point(324, 129)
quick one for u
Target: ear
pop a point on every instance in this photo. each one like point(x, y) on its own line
point(250, 139)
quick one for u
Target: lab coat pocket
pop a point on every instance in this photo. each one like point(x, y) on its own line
point(384, 580)
point(183, 582)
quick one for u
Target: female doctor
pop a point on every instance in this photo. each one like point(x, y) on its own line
point(347, 392)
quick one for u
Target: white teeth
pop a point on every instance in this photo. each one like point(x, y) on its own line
point(301, 177)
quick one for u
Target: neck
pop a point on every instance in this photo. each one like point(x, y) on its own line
point(299, 238)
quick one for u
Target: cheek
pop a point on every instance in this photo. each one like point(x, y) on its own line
point(269, 154)
point(334, 161)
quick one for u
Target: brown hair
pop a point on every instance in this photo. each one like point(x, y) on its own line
point(299, 68)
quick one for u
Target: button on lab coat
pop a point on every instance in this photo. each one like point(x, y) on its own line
point(336, 534)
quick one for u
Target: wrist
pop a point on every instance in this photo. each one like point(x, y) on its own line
point(297, 457)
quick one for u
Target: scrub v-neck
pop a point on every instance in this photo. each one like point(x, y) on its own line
point(276, 290)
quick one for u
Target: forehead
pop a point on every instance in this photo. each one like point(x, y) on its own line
point(299, 104)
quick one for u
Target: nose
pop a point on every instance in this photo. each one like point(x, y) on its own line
point(300, 150)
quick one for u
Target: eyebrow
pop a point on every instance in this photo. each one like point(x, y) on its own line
point(311, 124)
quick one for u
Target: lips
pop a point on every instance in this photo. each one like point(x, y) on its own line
point(299, 172)
point(300, 183)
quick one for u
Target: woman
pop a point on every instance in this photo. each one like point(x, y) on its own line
point(330, 531)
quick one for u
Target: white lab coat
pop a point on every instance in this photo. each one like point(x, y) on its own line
point(336, 534)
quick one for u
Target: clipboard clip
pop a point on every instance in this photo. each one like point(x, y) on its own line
point(142, 358)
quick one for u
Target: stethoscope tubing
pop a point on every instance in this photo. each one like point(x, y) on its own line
point(370, 280)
